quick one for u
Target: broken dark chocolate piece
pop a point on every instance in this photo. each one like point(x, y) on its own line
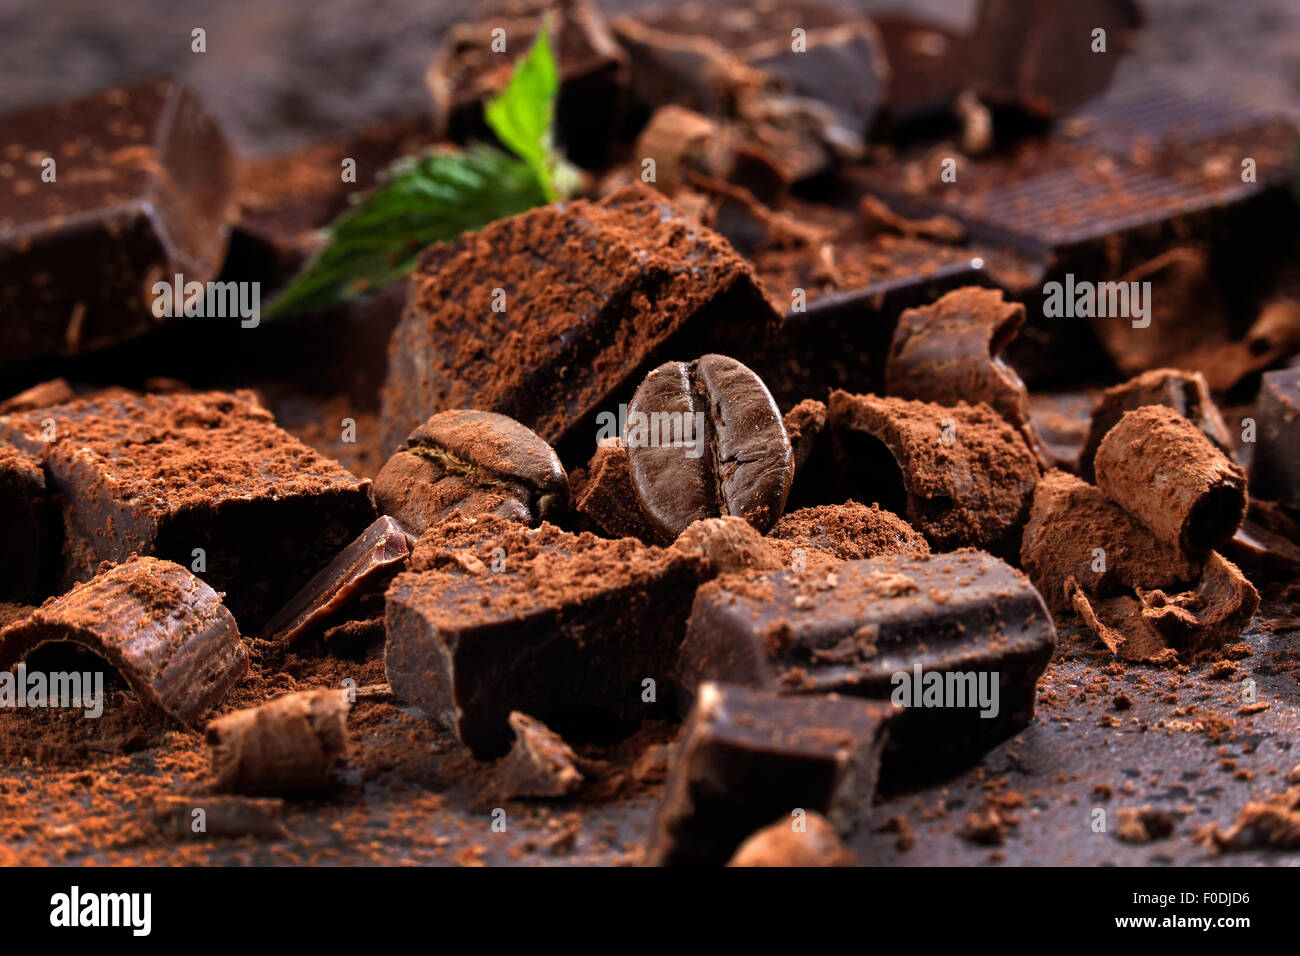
point(948, 352)
point(1162, 469)
point(1275, 470)
point(901, 628)
point(549, 315)
point(288, 745)
point(474, 462)
point(804, 426)
point(850, 531)
point(208, 816)
point(751, 757)
point(810, 841)
point(165, 631)
point(475, 62)
point(607, 497)
point(364, 565)
point(1184, 392)
point(29, 545)
point(540, 763)
point(1045, 56)
point(206, 479)
point(729, 543)
point(549, 623)
point(961, 473)
point(1263, 553)
point(104, 197)
point(704, 439)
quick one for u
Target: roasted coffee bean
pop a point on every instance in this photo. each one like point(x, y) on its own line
point(705, 439)
point(472, 462)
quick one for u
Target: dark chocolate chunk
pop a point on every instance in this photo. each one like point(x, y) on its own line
point(206, 480)
point(810, 841)
point(475, 462)
point(1162, 469)
point(1275, 470)
point(1263, 553)
point(751, 757)
point(139, 192)
point(288, 745)
point(549, 315)
point(948, 352)
point(29, 545)
point(563, 627)
point(1184, 392)
point(607, 497)
point(539, 764)
point(469, 68)
point(961, 474)
point(208, 816)
point(927, 66)
point(804, 426)
point(958, 639)
point(704, 439)
point(165, 631)
point(1042, 55)
point(364, 565)
point(686, 146)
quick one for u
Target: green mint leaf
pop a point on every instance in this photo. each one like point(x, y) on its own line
point(522, 115)
point(426, 199)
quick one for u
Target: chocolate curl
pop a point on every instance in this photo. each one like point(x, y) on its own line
point(1161, 468)
point(289, 744)
point(948, 352)
point(1185, 392)
point(165, 631)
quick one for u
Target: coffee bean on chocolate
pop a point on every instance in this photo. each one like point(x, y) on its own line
point(290, 744)
point(165, 631)
point(706, 439)
point(1275, 471)
point(472, 462)
point(1161, 468)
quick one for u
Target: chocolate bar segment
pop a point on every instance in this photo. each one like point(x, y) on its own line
point(546, 316)
point(750, 757)
point(139, 192)
point(204, 479)
point(545, 622)
point(893, 629)
point(165, 631)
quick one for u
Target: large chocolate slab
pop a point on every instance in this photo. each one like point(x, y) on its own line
point(566, 628)
point(867, 628)
point(163, 629)
point(552, 314)
point(142, 191)
point(169, 474)
point(750, 758)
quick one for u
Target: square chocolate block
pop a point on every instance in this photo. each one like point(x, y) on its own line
point(554, 314)
point(574, 630)
point(139, 191)
point(750, 758)
point(168, 475)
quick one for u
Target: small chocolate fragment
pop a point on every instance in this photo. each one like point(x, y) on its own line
point(749, 757)
point(948, 352)
point(705, 439)
point(548, 316)
point(780, 844)
point(1275, 471)
point(206, 476)
point(540, 763)
point(608, 499)
point(1184, 392)
point(962, 474)
point(926, 66)
point(54, 392)
point(729, 543)
point(686, 145)
point(1263, 553)
point(850, 531)
point(28, 546)
point(208, 816)
point(564, 627)
point(165, 631)
point(105, 197)
point(888, 628)
point(474, 462)
point(364, 565)
point(1041, 55)
point(804, 426)
point(288, 745)
point(1162, 469)
point(469, 69)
